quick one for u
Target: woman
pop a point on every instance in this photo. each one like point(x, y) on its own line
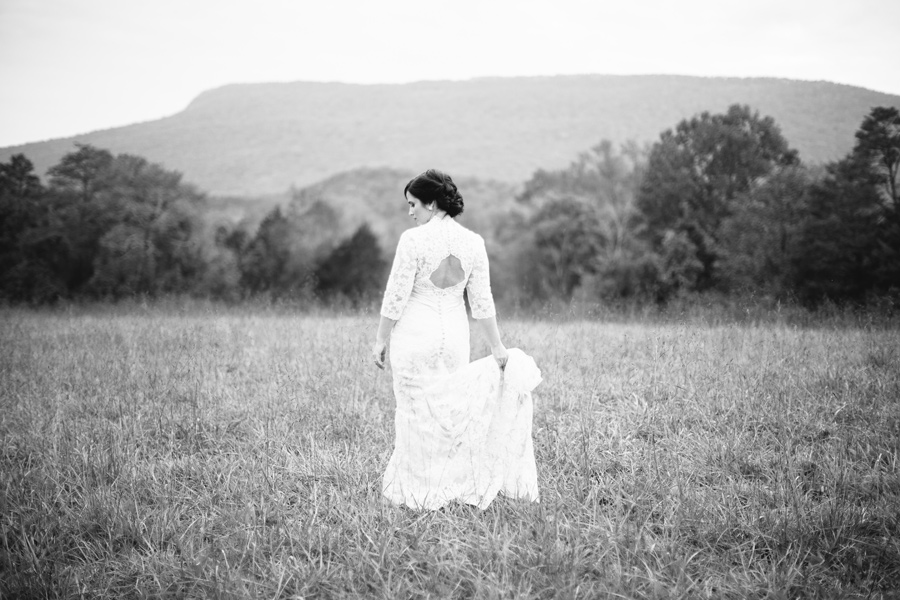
point(462, 430)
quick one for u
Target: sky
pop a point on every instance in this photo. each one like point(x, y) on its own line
point(73, 66)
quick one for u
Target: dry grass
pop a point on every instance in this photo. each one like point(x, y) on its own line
point(233, 455)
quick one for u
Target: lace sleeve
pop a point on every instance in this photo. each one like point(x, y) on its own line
point(479, 285)
point(400, 282)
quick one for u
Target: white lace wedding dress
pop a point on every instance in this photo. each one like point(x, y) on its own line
point(462, 430)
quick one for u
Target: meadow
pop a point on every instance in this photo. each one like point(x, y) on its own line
point(150, 453)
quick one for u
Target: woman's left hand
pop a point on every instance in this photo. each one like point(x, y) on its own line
point(378, 352)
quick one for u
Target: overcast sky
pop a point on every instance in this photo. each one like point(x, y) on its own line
point(73, 66)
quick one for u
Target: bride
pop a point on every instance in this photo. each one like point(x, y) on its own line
point(462, 430)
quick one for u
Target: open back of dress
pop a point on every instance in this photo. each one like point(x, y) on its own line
point(448, 273)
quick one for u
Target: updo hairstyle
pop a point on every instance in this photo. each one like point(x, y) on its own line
point(435, 186)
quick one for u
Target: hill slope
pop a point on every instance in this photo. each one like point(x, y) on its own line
point(265, 138)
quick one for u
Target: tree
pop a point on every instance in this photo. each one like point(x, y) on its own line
point(603, 177)
point(17, 178)
point(222, 250)
point(30, 253)
point(81, 171)
point(159, 213)
point(131, 229)
point(697, 172)
point(837, 255)
point(20, 204)
point(849, 246)
point(761, 236)
point(282, 258)
point(680, 268)
point(600, 185)
point(75, 211)
point(566, 234)
point(354, 269)
point(265, 266)
point(122, 263)
point(878, 145)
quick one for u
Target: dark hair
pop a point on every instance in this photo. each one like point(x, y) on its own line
point(435, 186)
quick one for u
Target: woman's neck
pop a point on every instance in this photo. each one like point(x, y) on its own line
point(439, 215)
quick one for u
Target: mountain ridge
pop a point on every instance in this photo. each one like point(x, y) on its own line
point(247, 139)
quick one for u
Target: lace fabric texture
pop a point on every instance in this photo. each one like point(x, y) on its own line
point(421, 251)
point(462, 430)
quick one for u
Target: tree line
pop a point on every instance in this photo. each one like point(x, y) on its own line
point(720, 203)
point(111, 227)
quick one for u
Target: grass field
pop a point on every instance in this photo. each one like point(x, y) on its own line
point(228, 454)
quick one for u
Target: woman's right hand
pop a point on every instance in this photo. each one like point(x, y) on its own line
point(378, 353)
point(501, 355)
